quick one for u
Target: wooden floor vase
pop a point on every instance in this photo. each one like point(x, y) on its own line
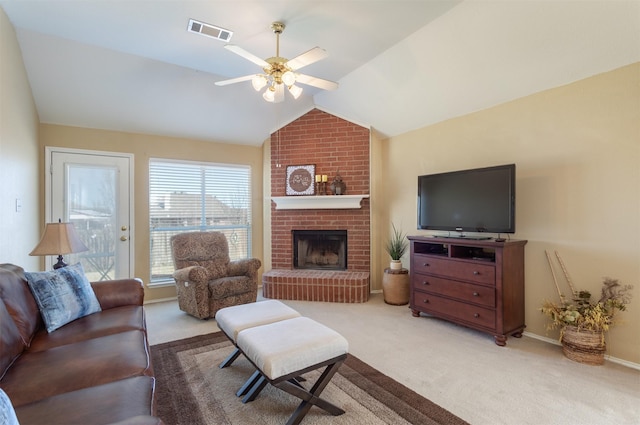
point(395, 286)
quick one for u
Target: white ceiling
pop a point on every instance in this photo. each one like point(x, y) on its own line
point(401, 64)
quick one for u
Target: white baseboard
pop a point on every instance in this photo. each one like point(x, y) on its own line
point(612, 359)
point(161, 300)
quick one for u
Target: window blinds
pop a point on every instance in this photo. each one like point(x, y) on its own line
point(191, 196)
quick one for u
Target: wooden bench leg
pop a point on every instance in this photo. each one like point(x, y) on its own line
point(248, 384)
point(256, 383)
point(311, 397)
point(259, 384)
point(230, 359)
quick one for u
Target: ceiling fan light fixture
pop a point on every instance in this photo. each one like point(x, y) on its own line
point(269, 94)
point(295, 91)
point(258, 82)
point(279, 72)
point(289, 78)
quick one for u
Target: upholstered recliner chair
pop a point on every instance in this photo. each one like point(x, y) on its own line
point(206, 279)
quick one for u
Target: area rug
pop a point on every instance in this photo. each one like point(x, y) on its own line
point(192, 390)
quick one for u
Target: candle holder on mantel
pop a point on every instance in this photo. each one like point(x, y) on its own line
point(321, 184)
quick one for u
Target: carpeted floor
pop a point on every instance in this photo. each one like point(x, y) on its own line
point(192, 390)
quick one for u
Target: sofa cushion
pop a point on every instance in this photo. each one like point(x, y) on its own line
point(63, 295)
point(102, 404)
point(103, 323)
point(11, 344)
point(71, 367)
point(19, 301)
point(7, 414)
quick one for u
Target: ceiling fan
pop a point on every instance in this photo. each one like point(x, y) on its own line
point(280, 72)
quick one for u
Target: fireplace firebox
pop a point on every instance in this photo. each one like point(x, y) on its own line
point(320, 249)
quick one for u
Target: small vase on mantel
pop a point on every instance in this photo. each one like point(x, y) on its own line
point(338, 187)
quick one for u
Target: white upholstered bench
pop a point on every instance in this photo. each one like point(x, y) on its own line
point(284, 350)
point(232, 320)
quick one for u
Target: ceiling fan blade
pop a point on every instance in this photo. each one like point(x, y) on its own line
point(307, 58)
point(316, 82)
point(249, 56)
point(279, 95)
point(234, 80)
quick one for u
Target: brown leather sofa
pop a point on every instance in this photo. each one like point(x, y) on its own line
point(94, 370)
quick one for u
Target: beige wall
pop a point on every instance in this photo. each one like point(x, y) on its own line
point(144, 147)
point(18, 155)
point(380, 221)
point(577, 151)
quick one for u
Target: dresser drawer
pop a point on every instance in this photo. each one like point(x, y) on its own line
point(468, 292)
point(465, 270)
point(458, 311)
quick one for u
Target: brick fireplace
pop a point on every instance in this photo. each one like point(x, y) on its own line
point(334, 146)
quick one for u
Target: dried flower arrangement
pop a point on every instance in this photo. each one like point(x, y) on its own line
point(580, 311)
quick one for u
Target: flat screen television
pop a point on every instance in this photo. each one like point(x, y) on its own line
point(475, 200)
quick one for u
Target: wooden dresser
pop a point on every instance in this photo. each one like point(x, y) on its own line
point(475, 283)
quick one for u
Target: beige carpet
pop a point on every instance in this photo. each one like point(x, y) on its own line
point(528, 382)
point(193, 390)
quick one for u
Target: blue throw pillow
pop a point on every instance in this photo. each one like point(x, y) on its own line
point(63, 295)
point(7, 414)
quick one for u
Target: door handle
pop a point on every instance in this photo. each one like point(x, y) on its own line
point(123, 238)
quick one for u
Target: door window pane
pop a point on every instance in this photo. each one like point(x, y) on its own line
point(91, 206)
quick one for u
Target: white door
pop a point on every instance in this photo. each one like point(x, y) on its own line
point(93, 191)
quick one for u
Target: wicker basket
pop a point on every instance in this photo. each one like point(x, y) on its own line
point(583, 345)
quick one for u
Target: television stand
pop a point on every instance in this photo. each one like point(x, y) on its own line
point(475, 283)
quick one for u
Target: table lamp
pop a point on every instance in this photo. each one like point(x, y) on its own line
point(59, 238)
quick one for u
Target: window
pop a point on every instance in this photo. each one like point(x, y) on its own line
point(191, 196)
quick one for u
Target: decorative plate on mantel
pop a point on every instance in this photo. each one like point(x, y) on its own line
point(300, 179)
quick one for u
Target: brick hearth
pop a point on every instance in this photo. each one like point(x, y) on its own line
point(316, 285)
point(332, 145)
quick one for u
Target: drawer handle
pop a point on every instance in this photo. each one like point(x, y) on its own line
point(475, 294)
point(476, 315)
point(476, 272)
point(424, 282)
point(426, 301)
point(426, 264)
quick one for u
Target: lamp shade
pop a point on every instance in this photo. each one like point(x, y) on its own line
point(289, 78)
point(258, 82)
point(58, 239)
point(295, 91)
point(269, 94)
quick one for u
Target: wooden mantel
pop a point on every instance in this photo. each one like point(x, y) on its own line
point(318, 202)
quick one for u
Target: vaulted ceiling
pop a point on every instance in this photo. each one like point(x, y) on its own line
point(401, 64)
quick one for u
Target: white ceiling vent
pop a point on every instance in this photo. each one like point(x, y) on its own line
point(209, 30)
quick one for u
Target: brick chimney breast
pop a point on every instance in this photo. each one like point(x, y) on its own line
point(333, 145)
